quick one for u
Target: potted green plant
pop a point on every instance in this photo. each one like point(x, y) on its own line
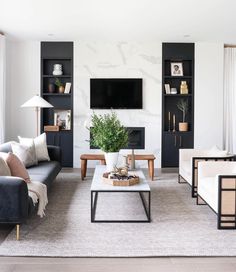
point(109, 135)
point(60, 85)
point(182, 105)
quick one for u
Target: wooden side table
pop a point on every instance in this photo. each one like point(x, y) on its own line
point(91, 157)
point(150, 158)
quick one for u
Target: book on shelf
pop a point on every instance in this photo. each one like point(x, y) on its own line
point(167, 88)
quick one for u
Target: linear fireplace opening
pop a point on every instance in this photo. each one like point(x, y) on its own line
point(136, 138)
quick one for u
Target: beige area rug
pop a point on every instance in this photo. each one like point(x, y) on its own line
point(178, 227)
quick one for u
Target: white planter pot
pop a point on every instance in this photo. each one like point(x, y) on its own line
point(111, 160)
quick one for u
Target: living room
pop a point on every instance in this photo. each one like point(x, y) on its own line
point(132, 101)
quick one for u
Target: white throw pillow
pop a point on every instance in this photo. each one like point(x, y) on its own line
point(26, 153)
point(216, 152)
point(4, 169)
point(40, 143)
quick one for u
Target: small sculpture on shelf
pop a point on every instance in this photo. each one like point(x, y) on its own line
point(184, 87)
point(57, 69)
point(173, 91)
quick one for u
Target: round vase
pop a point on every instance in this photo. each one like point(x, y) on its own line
point(61, 89)
point(111, 160)
point(183, 126)
point(51, 88)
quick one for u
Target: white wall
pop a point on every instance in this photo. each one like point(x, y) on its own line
point(23, 81)
point(118, 60)
point(208, 129)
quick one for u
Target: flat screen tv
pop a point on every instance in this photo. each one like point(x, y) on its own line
point(116, 93)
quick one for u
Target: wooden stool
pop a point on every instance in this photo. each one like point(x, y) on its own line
point(149, 158)
point(91, 157)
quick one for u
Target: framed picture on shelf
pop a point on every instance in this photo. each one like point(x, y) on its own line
point(62, 118)
point(167, 88)
point(67, 88)
point(176, 69)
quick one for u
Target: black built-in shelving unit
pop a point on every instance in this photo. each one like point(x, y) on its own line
point(173, 141)
point(53, 53)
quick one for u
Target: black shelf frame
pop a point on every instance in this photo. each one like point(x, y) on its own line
point(172, 141)
point(52, 53)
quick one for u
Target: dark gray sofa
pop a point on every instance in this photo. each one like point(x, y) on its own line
point(15, 204)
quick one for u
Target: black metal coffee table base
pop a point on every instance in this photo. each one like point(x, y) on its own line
point(146, 206)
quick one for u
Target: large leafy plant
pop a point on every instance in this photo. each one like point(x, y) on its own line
point(107, 132)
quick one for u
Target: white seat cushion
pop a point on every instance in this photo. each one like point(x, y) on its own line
point(208, 190)
point(186, 171)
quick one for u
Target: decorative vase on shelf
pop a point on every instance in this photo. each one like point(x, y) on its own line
point(51, 88)
point(61, 89)
point(111, 160)
point(57, 70)
point(184, 87)
point(183, 126)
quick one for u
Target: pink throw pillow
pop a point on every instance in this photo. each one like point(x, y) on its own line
point(17, 167)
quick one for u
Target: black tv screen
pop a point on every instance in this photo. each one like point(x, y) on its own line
point(116, 93)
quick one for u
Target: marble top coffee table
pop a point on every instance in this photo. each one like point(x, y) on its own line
point(98, 186)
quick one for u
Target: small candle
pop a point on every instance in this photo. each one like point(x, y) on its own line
point(174, 120)
point(169, 116)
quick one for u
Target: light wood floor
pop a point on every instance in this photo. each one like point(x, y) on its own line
point(12, 264)
point(168, 264)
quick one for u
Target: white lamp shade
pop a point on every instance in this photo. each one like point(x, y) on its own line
point(36, 102)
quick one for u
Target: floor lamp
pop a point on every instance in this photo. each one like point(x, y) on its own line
point(37, 102)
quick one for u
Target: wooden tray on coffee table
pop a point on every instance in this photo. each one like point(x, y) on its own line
point(131, 180)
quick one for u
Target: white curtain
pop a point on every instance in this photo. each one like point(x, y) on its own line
point(230, 99)
point(2, 86)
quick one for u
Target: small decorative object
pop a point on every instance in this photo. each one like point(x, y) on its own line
point(57, 70)
point(167, 88)
point(51, 128)
point(51, 88)
point(132, 163)
point(176, 69)
point(182, 105)
point(173, 91)
point(120, 177)
point(67, 88)
point(110, 135)
point(184, 87)
point(62, 118)
point(174, 123)
point(169, 121)
point(60, 85)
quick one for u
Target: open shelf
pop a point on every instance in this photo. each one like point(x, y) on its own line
point(177, 131)
point(178, 95)
point(58, 53)
point(178, 77)
point(56, 94)
point(57, 76)
point(173, 141)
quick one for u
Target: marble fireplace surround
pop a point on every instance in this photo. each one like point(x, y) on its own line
point(118, 60)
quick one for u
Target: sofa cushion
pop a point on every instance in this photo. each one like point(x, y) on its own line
point(215, 151)
point(4, 168)
point(40, 146)
point(17, 167)
point(44, 172)
point(26, 153)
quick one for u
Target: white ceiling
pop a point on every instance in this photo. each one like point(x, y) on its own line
point(111, 20)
